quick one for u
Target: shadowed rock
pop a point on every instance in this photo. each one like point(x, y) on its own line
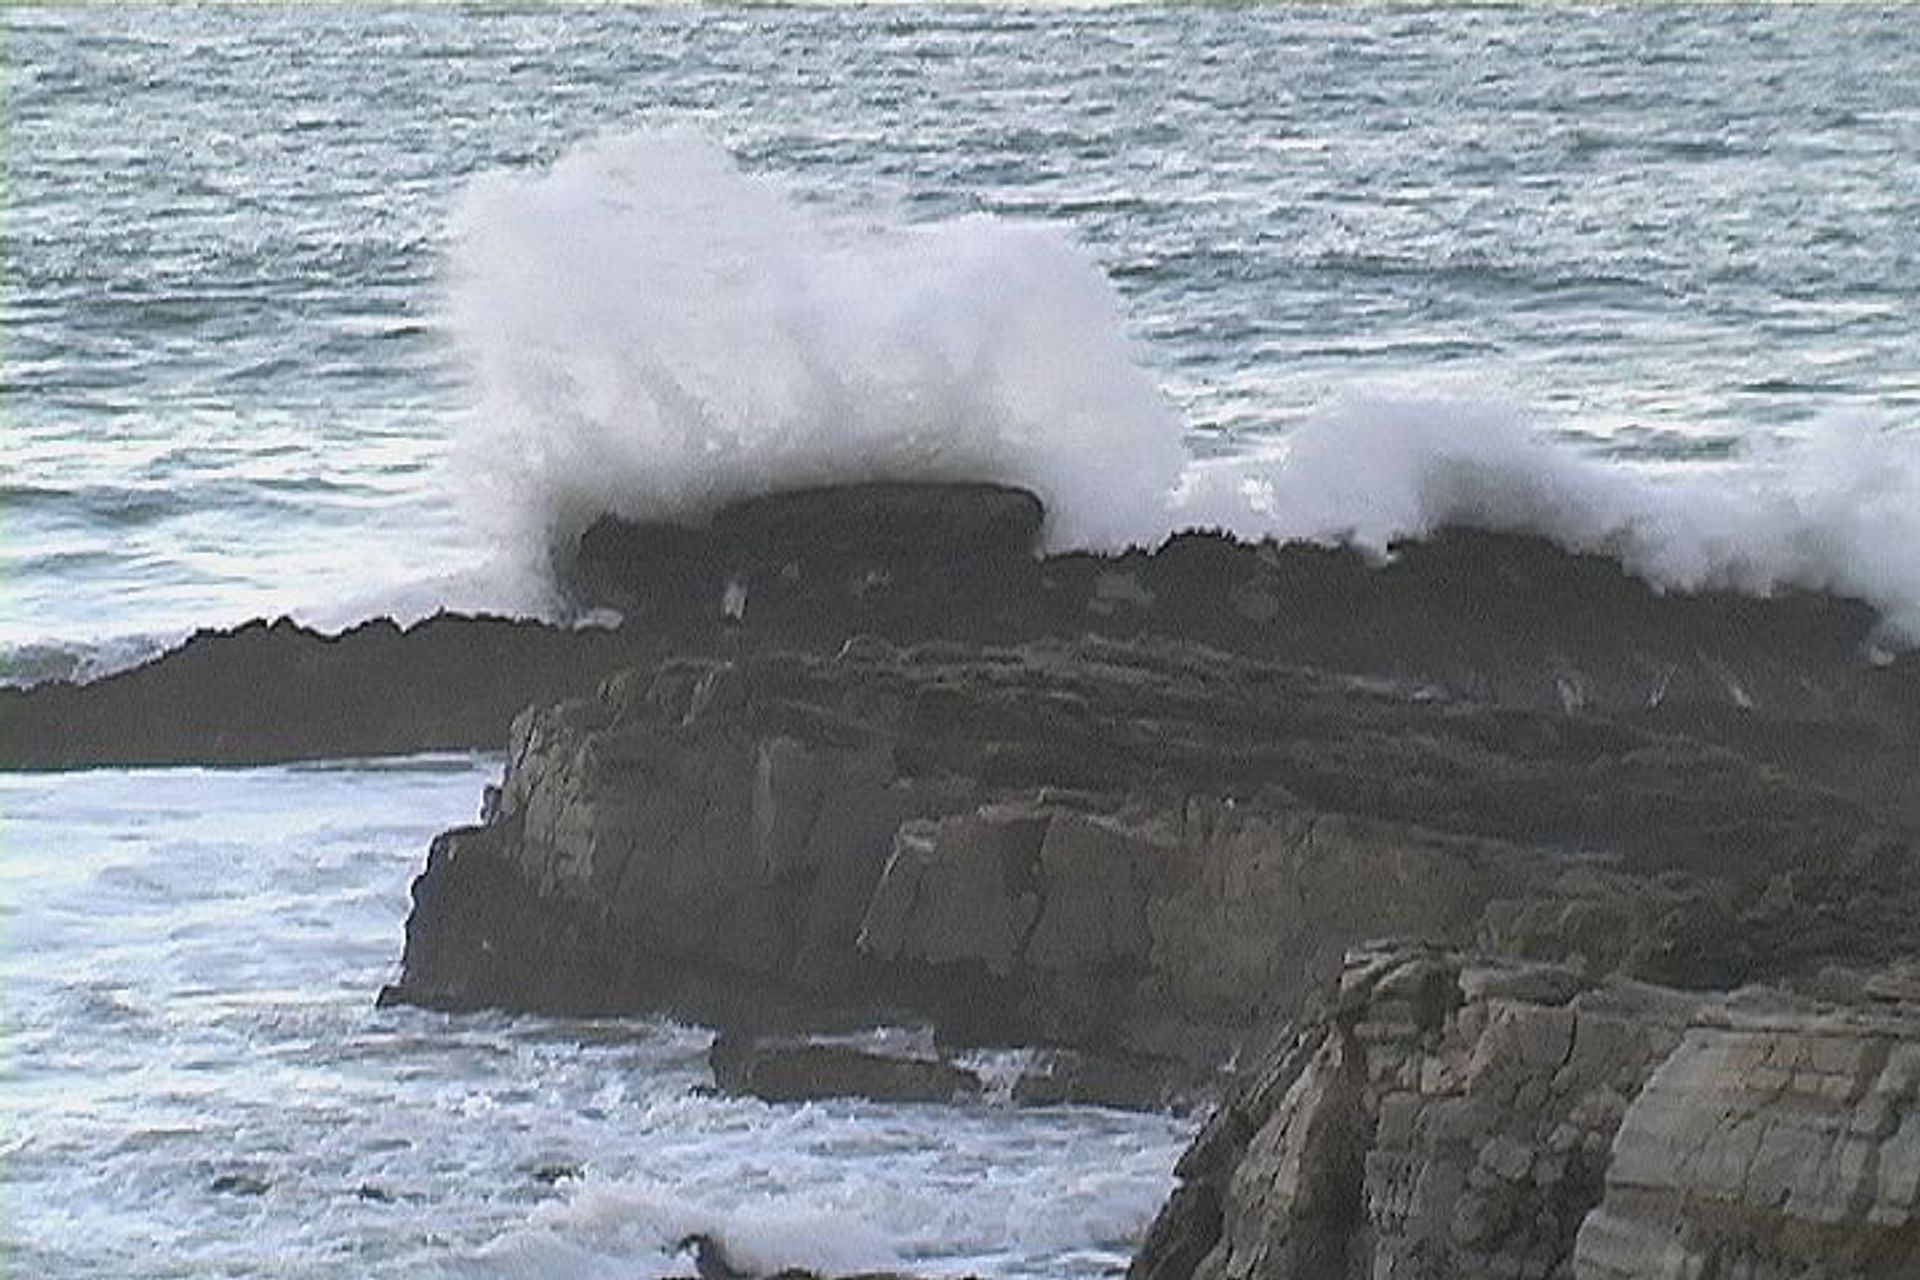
point(1141, 851)
point(263, 693)
point(1494, 619)
point(787, 1069)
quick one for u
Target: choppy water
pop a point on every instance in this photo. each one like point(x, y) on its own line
point(196, 1082)
point(230, 388)
point(312, 309)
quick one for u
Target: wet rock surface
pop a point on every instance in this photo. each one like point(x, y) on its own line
point(792, 1069)
point(264, 693)
point(861, 757)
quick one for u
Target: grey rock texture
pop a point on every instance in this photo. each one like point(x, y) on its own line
point(792, 1069)
point(1445, 1118)
point(1147, 851)
point(1769, 1148)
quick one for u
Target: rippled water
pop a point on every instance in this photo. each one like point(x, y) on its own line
point(229, 390)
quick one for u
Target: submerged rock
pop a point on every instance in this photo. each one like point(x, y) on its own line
point(713, 1261)
point(239, 1184)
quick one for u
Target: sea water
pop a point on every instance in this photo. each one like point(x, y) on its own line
point(197, 1082)
point(331, 310)
point(340, 311)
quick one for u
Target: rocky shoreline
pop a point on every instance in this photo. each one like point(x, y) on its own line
point(1446, 1115)
point(861, 758)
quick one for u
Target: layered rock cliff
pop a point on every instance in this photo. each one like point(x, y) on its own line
point(861, 756)
point(1139, 809)
point(1447, 1118)
point(1144, 849)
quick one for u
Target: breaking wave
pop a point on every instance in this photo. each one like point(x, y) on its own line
point(653, 332)
point(1837, 509)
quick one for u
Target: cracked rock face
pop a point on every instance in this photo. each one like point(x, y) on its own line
point(1769, 1148)
point(1446, 1118)
point(1142, 849)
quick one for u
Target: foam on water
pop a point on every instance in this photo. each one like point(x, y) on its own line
point(654, 332)
point(198, 1081)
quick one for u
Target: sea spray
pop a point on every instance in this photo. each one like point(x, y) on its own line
point(653, 332)
point(1836, 510)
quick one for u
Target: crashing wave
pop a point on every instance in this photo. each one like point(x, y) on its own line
point(654, 333)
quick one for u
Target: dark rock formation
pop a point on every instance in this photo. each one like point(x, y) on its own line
point(792, 1069)
point(1495, 619)
point(264, 693)
point(1142, 851)
point(1449, 1119)
point(1138, 809)
point(859, 756)
point(797, 1069)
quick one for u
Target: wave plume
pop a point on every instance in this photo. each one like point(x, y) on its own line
point(656, 334)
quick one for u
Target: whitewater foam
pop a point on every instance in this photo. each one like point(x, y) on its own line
point(1837, 509)
point(655, 333)
point(634, 1228)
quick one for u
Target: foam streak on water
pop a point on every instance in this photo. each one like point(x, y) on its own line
point(197, 1082)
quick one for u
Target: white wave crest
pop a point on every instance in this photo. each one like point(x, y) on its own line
point(630, 1230)
point(1836, 510)
point(654, 333)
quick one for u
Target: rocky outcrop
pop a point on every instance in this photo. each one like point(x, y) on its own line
point(1145, 852)
point(1495, 618)
point(1135, 810)
point(861, 755)
point(1445, 1117)
point(894, 1064)
point(1770, 1147)
point(794, 1069)
point(1498, 620)
point(262, 693)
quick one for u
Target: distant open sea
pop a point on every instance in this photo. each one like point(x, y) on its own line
point(341, 311)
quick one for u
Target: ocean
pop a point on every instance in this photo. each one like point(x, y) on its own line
point(338, 311)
